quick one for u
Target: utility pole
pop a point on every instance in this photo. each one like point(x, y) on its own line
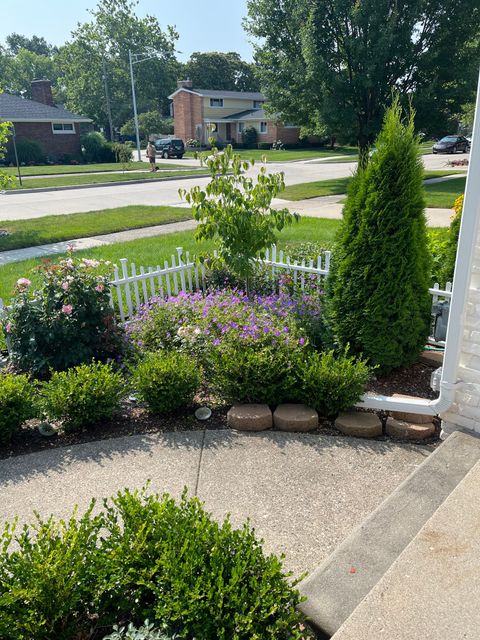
point(107, 97)
point(135, 116)
point(16, 154)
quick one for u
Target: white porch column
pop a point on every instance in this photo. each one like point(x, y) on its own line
point(462, 353)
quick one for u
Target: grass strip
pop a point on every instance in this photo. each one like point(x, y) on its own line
point(49, 229)
point(55, 169)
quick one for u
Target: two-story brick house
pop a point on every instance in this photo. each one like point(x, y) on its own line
point(202, 113)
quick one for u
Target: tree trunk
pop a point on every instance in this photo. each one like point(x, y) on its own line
point(363, 149)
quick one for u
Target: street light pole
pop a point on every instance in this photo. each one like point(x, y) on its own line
point(135, 116)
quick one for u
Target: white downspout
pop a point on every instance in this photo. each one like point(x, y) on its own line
point(463, 272)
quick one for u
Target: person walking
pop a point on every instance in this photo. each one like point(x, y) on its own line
point(151, 153)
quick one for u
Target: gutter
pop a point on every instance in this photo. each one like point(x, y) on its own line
point(467, 241)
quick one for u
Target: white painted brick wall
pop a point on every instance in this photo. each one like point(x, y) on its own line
point(465, 410)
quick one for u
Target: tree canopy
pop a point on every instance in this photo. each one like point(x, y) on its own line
point(222, 71)
point(336, 61)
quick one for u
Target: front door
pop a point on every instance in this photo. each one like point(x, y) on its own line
point(228, 134)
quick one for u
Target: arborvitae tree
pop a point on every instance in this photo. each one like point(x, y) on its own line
point(378, 300)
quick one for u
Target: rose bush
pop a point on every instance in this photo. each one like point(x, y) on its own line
point(66, 321)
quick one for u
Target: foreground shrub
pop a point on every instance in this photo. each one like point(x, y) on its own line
point(66, 321)
point(28, 151)
point(140, 557)
point(145, 632)
point(378, 285)
point(166, 380)
point(332, 383)
point(82, 395)
point(17, 404)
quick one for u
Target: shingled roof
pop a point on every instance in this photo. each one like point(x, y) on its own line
point(215, 93)
point(17, 109)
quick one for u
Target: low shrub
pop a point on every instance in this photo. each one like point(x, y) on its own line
point(66, 321)
point(28, 151)
point(96, 148)
point(17, 404)
point(166, 380)
point(82, 395)
point(145, 632)
point(249, 137)
point(255, 371)
point(332, 383)
point(143, 556)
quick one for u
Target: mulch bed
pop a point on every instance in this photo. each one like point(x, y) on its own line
point(134, 419)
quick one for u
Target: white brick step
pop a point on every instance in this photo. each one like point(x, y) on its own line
point(337, 587)
point(433, 589)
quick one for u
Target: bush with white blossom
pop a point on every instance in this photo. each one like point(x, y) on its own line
point(66, 321)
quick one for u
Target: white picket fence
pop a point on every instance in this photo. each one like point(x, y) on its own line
point(131, 286)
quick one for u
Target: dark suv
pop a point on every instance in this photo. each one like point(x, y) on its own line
point(170, 147)
point(451, 144)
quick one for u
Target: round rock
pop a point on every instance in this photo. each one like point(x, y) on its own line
point(250, 417)
point(409, 430)
point(359, 424)
point(295, 417)
point(403, 416)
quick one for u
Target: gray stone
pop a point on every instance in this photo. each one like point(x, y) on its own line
point(417, 418)
point(409, 430)
point(250, 417)
point(295, 417)
point(359, 424)
point(333, 592)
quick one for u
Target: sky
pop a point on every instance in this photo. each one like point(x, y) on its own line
point(203, 25)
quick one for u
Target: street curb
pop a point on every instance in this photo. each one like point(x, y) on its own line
point(105, 184)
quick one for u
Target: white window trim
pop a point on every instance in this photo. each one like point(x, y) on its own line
point(266, 127)
point(239, 127)
point(63, 131)
point(216, 106)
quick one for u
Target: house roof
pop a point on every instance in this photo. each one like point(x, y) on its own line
point(211, 93)
point(17, 109)
point(249, 114)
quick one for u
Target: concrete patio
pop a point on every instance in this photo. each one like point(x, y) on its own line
point(304, 493)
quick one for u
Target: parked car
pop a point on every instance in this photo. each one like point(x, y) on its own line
point(170, 147)
point(451, 144)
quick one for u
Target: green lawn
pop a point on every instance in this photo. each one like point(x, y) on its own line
point(35, 231)
point(65, 181)
point(288, 155)
point(54, 169)
point(443, 194)
point(153, 251)
point(306, 190)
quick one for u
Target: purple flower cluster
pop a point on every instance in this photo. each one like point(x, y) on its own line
point(196, 321)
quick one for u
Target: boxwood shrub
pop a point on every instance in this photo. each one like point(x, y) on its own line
point(142, 557)
point(82, 395)
point(166, 380)
point(17, 404)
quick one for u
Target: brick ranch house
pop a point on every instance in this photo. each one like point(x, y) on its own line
point(202, 113)
point(53, 127)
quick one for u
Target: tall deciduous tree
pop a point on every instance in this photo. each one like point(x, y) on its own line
point(103, 45)
point(224, 71)
point(378, 300)
point(340, 59)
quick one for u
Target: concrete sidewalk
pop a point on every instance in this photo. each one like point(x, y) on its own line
point(304, 493)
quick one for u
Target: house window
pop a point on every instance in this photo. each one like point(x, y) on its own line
point(241, 127)
point(263, 127)
point(258, 104)
point(290, 125)
point(216, 102)
point(63, 127)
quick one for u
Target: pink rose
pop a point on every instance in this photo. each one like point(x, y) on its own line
point(67, 308)
point(99, 287)
point(65, 286)
point(8, 327)
point(23, 282)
